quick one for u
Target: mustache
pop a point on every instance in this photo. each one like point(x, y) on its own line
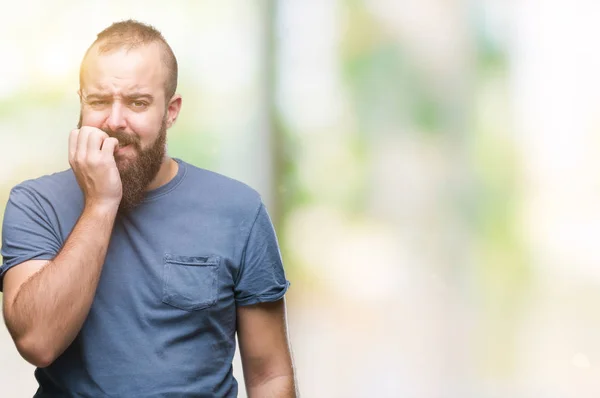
point(123, 138)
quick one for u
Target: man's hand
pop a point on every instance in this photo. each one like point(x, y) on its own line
point(91, 156)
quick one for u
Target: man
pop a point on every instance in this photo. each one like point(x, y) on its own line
point(129, 274)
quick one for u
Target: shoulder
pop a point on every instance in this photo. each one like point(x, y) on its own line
point(52, 187)
point(221, 190)
point(217, 181)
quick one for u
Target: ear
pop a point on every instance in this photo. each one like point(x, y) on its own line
point(173, 109)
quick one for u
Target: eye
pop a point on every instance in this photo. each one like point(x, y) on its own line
point(139, 104)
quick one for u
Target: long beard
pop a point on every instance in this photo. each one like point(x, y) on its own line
point(138, 173)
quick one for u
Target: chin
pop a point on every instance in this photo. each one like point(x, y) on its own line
point(123, 159)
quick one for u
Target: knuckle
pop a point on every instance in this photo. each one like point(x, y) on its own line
point(94, 160)
point(97, 132)
point(109, 143)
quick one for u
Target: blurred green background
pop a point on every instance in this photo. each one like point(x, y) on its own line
point(431, 168)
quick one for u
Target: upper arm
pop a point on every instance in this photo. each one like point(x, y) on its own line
point(16, 276)
point(261, 317)
point(29, 239)
point(263, 340)
point(261, 276)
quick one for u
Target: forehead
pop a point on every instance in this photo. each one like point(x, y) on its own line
point(122, 70)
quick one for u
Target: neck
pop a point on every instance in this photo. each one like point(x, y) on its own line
point(168, 171)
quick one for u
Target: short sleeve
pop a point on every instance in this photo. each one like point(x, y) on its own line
point(261, 277)
point(27, 233)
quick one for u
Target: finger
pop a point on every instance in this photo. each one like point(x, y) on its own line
point(73, 143)
point(82, 139)
point(109, 146)
point(95, 141)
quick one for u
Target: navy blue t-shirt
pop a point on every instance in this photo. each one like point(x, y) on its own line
point(163, 320)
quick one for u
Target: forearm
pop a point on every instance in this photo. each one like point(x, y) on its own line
point(51, 306)
point(279, 387)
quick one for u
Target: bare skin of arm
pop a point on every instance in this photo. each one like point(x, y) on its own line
point(46, 302)
point(265, 351)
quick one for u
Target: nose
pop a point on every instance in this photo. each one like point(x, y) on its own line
point(116, 118)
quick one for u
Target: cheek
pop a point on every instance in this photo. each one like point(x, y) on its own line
point(94, 119)
point(146, 128)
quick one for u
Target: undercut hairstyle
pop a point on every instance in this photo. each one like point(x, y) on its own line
point(129, 35)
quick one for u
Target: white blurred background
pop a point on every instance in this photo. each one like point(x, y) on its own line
point(432, 168)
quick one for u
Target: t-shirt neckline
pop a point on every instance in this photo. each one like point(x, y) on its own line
point(169, 186)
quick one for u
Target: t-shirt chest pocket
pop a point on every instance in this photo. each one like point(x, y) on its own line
point(190, 283)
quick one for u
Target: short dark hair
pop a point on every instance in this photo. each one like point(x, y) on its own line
point(130, 34)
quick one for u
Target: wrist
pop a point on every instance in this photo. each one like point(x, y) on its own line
point(101, 207)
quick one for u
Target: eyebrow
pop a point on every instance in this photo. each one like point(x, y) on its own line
point(95, 96)
point(136, 96)
point(132, 96)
